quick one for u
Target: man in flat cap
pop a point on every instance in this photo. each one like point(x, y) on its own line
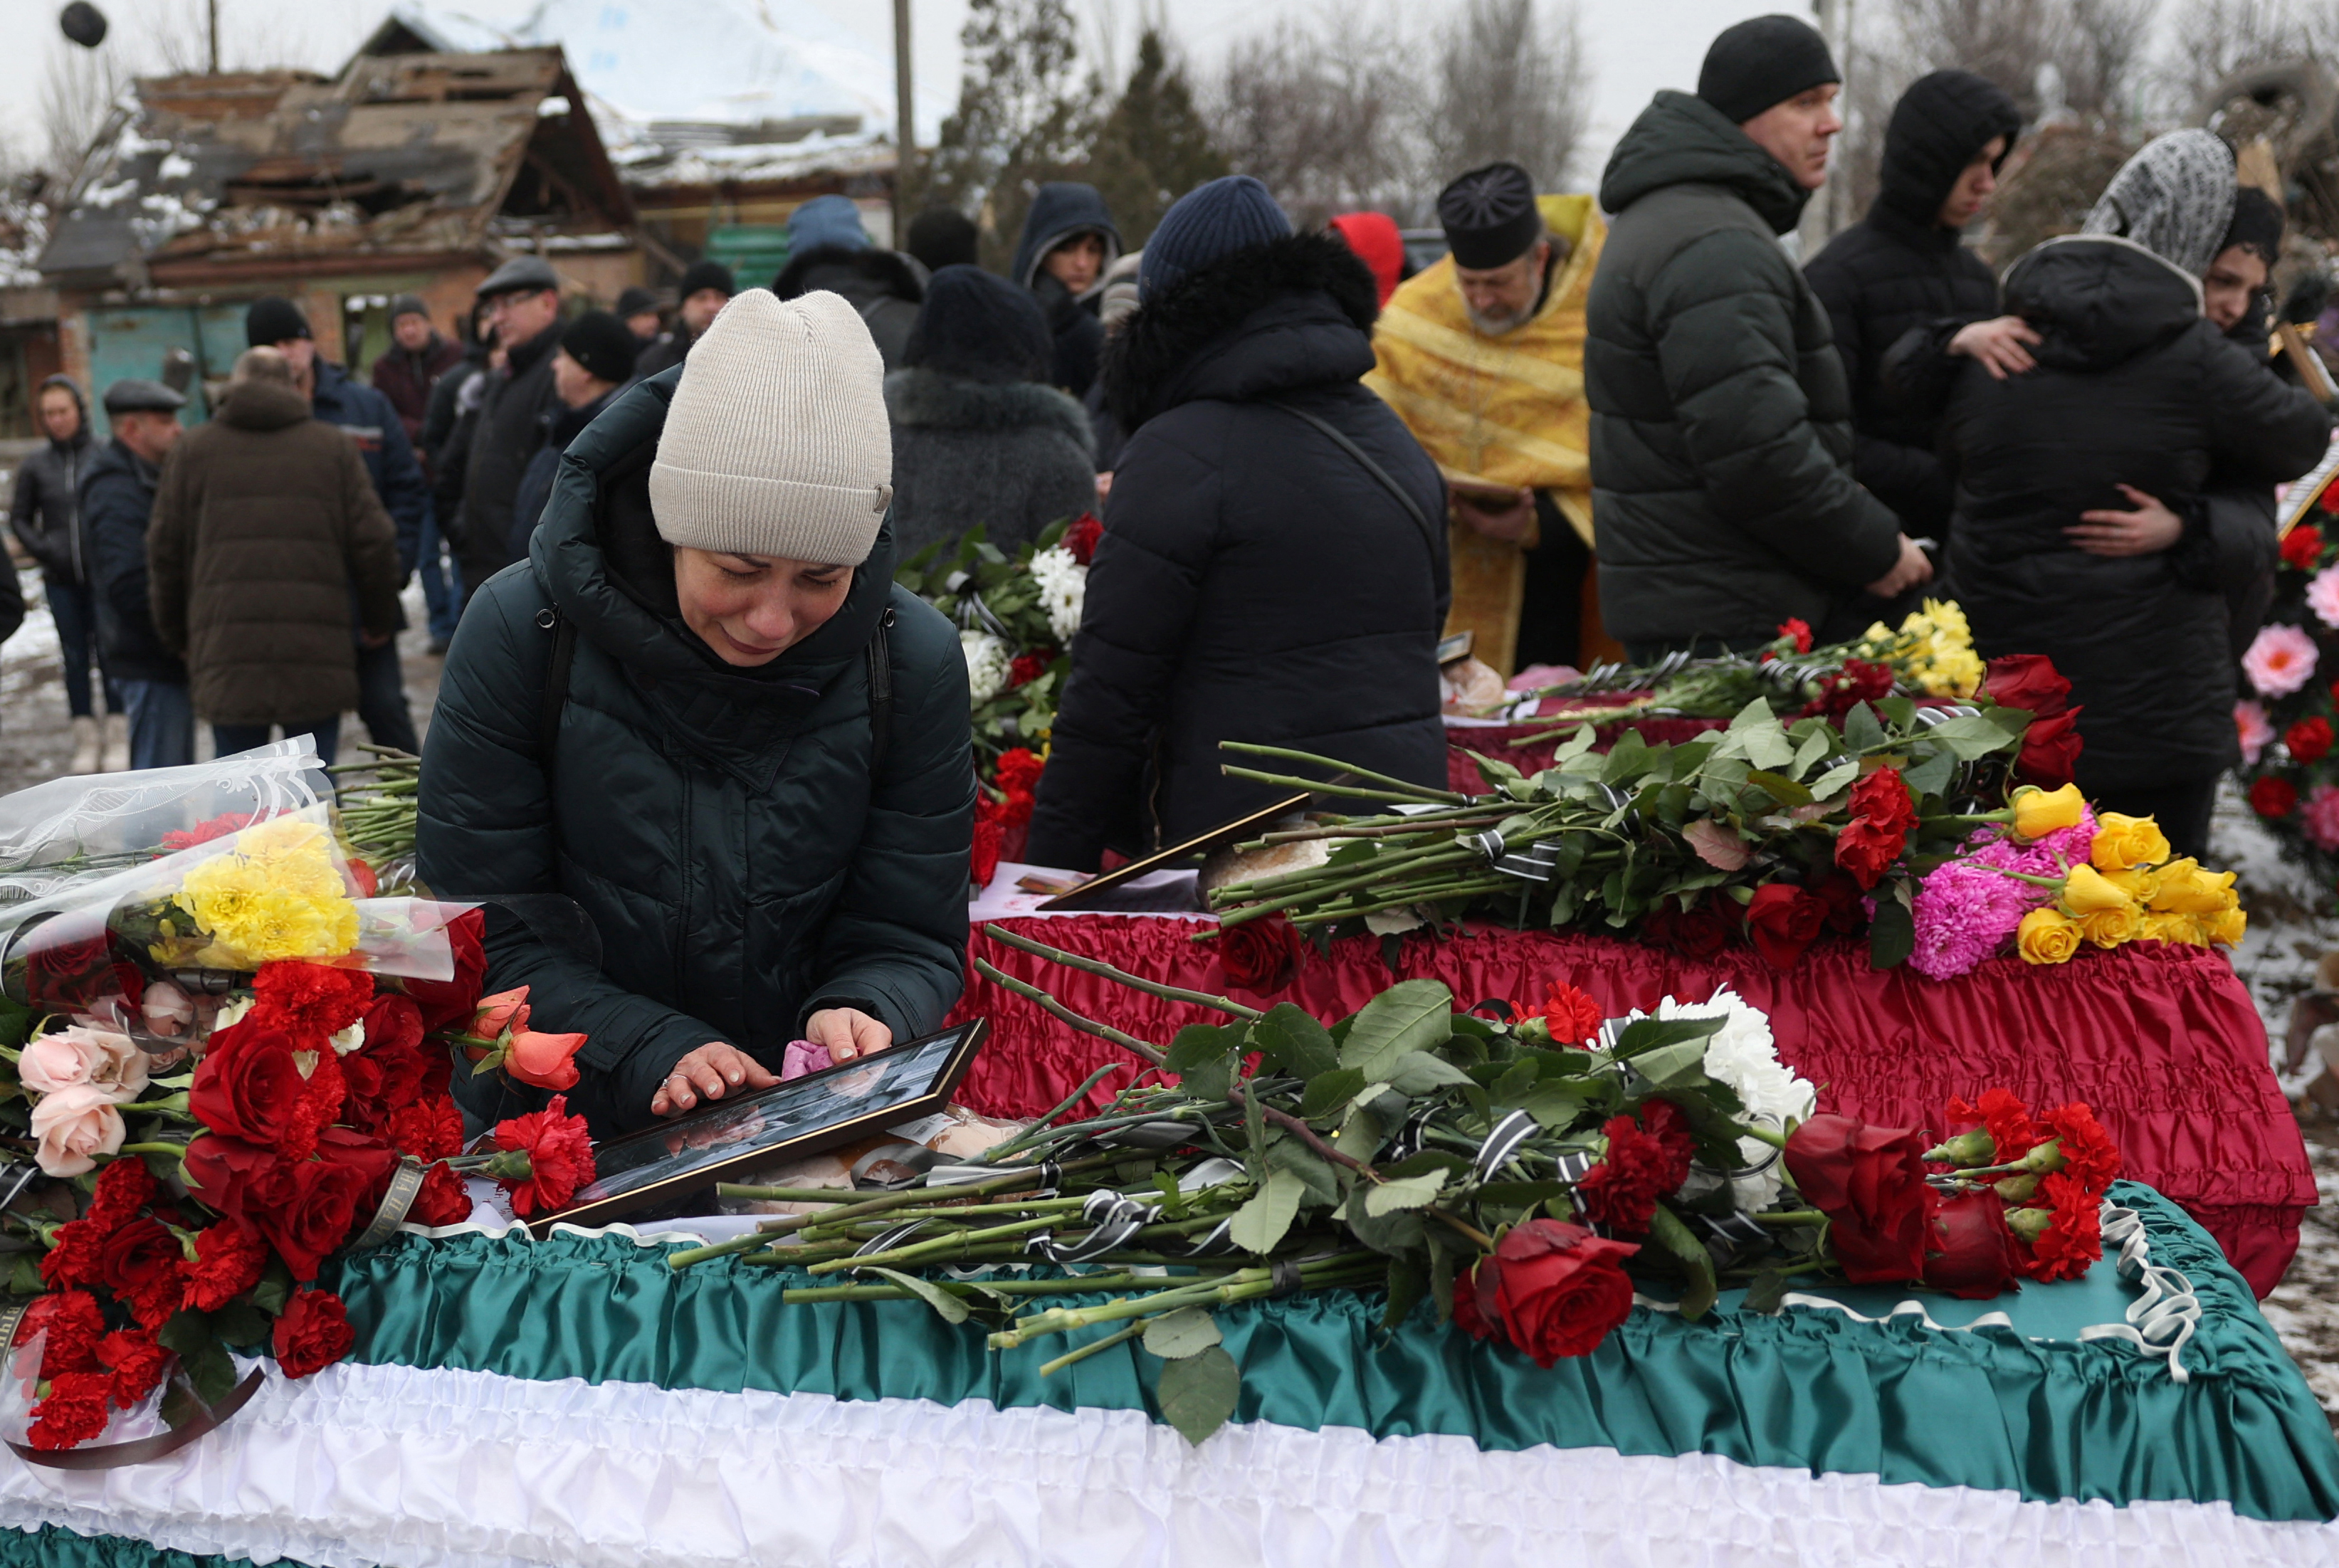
point(117, 501)
point(1722, 437)
point(1482, 355)
point(523, 296)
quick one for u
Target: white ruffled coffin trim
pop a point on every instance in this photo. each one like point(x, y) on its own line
point(366, 1466)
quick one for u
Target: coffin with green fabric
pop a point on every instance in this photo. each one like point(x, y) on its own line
point(576, 1400)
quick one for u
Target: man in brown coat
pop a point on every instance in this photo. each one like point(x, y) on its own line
point(265, 523)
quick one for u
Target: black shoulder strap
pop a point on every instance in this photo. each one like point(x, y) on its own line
point(881, 692)
point(556, 686)
point(1364, 460)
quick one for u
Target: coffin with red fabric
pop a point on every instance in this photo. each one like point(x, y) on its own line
point(2161, 1040)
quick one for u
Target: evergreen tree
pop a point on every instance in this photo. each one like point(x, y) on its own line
point(1154, 146)
point(1024, 116)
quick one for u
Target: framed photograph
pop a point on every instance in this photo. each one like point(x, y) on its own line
point(2298, 497)
point(801, 1116)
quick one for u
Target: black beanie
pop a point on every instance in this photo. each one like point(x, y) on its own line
point(271, 320)
point(599, 341)
point(705, 274)
point(2257, 225)
point(1761, 62)
point(943, 237)
point(635, 300)
point(1489, 216)
point(982, 327)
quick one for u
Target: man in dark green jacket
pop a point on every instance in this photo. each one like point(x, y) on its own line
point(763, 850)
point(1721, 434)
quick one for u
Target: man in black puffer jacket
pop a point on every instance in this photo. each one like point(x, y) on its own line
point(511, 426)
point(1256, 581)
point(1902, 266)
point(1722, 490)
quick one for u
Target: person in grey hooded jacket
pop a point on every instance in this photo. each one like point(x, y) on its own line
point(979, 436)
point(1069, 244)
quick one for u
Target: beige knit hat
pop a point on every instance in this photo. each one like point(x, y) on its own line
point(777, 443)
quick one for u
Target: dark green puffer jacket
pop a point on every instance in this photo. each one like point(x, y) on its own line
point(1721, 434)
point(719, 827)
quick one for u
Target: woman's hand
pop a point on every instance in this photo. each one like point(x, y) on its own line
point(712, 1070)
point(2148, 530)
point(848, 1034)
point(2001, 346)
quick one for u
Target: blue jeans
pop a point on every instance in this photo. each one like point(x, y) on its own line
point(227, 739)
point(161, 723)
point(76, 619)
point(442, 583)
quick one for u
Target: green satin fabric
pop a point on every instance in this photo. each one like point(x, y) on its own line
point(51, 1547)
point(1805, 1389)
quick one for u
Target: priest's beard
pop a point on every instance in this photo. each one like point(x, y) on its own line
point(1494, 324)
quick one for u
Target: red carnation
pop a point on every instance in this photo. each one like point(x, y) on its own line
point(1641, 1168)
point(429, 1129)
point(310, 1000)
point(1869, 1181)
point(321, 1105)
point(1840, 691)
point(1882, 818)
point(1260, 954)
point(1970, 1252)
point(1082, 538)
point(74, 1324)
point(2006, 1119)
point(76, 1254)
point(387, 1073)
point(1556, 1288)
point(75, 1412)
point(1025, 669)
point(1570, 1015)
point(447, 1003)
point(228, 1262)
point(1701, 930)
point(123, 1188)
point(982, 864)
point(1842, 896)
point(2091, 1158)
point(2302, 547)
point(2272, 795)
point(2309, 740)
point(443, 1199)
point(1800, 629)
point(313, 1333)
point(1019, 769)
point(204, 832)
point(2073, 1238)
point(549, 1156)
point(1783, 921)
point(146, 1270)
point(136, 1362)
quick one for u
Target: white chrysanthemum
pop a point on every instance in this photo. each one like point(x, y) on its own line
point(1063, 588)
point(988, 663)
point(1742, 1055)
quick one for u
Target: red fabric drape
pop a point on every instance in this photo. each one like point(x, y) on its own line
point(2162, 1041)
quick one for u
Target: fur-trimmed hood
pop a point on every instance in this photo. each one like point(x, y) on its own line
point(1265, 321)
point(896, 274)
point(933, 399)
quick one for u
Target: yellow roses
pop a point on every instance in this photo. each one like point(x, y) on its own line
point(2046, 936)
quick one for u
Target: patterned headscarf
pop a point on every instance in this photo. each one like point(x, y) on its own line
point(2174, 198)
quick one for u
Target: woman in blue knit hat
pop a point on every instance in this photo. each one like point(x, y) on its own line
point(1273, 567)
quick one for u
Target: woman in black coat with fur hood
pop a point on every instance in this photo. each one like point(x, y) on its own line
point(1257, 580)
point(979, 435)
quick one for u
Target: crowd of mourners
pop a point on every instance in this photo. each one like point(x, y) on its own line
point(683, 690)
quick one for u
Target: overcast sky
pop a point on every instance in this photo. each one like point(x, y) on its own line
point(1636, 46)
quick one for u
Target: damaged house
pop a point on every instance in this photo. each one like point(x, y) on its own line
point(415, 173)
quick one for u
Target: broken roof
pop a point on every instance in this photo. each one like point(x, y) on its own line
point(403, 159)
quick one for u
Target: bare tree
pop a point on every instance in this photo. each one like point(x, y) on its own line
point(1511, 81)
point(1325, 117)
point(2098, 52)
point(1025, 115)
point(78, 92)
point(2223, 37)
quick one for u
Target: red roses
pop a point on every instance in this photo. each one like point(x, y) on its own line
point(1082, 538)
point(2308, 740)
point(1783, 920)
point(1551, 1289)
point(1882, 818)
point(1869, 1181)
point(1260, 954)
point(2302, 547)
point(2271, 795)
point(2050, 747)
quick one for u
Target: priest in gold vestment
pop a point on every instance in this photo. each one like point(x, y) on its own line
point(1482, 355)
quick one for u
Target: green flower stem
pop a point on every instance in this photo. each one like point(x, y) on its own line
point(1040, 1126)
point(1435, 894)
point(1329, 878)
point(1240, 1286)
point(1382, 872)
point(1250, 749)
point(885, 1204)
point(1322, 787)
point(1075, 1285)
point(941, 1247)
point(1085, 1351)
point(785, 1194)
point(1150, 1053)
point(1136, 982)
point(1799, 1217)
point(1771, 1136)
point(175, 1150)
point(1411, 827)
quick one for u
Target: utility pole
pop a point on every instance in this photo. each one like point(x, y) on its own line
point(211, 9)
point(906, 137)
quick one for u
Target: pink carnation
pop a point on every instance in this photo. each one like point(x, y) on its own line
point(2257, 733)
point(2322, 815)
point(1964, 909)
point(2281, 660)
point(2322, 596)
